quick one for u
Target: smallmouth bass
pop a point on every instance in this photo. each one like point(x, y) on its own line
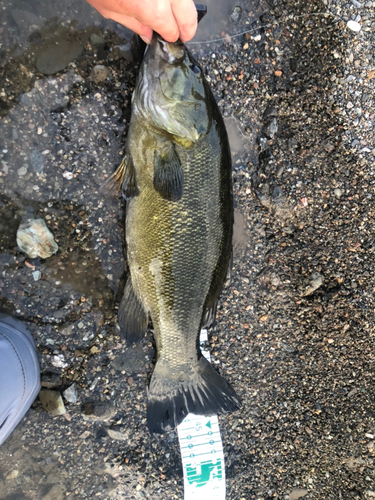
point(176, 177)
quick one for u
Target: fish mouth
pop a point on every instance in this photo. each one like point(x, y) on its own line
point(170, 52)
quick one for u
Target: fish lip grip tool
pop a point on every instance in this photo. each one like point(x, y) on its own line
point(202, 452)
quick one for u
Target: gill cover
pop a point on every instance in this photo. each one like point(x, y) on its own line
point(171, 92)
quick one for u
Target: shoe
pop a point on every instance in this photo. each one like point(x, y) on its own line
point(19, 373)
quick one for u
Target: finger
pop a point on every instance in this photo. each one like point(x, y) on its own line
point(163, 21)
point(186, 17)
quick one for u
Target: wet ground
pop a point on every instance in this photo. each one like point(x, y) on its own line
point(295, 330)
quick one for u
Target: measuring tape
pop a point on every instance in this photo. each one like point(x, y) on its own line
point(202, 452)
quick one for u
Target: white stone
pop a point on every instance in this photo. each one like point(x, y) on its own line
point(36, 240)
point(354, 26)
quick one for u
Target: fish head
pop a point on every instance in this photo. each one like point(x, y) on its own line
point(171, 91)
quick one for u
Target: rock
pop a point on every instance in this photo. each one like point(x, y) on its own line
point(236, 14)
point(131, 360)
point(22, 170)
point(312, 283)
point(26, 21)
point(52, 402)
point(125, 51)
point(50, 380)
point(66, 329)
point(36, 275)
point(70, 394)
point(101, 410)
point(36, 240)
point(297, 493)
point(270, 129)
point(354, 26)
point(96, 39)
point(55, 493)
point(99, 73)
point(12, 475)
point(118, 432)
point(338, 193)
point(59, 361)
point(37, 160)
point(57, 56)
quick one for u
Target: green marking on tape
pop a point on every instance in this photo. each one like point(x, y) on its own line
point(201, 474)
point(208, 424)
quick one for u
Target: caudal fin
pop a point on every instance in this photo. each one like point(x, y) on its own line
point(175, 393)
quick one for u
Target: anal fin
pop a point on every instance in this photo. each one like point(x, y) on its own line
point(168, 176)
point(132, 317)
point(209, 316)
point(228, 276)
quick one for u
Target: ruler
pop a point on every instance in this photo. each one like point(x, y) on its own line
point(202, 453)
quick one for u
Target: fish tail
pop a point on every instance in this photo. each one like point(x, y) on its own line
point(174, 393)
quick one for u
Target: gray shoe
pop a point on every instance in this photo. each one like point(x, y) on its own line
point(19, 373)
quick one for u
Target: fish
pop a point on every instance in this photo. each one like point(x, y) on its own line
point(176, 178)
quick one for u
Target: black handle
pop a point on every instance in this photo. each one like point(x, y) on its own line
point(201, 10)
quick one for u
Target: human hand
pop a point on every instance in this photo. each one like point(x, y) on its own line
point(172, 19)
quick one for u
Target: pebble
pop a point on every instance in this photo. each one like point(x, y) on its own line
point(26, 20)
point(118, 432)
point(125, 51)
point(236, 14)
point(36, 275)
point(131, 360)
point(102, 410)
point(55, 493)
point(22, 170)
point(50, 380)
point(338, 193)
point(354, 26)
point(99, 73)
point(270, 129)
point(52, 402)
point(36, 240)
point(37, 160)
point(96, 39)
point(297, 493)
point(70, 394)
point(59, 361)
point(12, 475)
point(312, 283)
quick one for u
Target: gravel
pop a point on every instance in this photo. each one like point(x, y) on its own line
point(294, 332)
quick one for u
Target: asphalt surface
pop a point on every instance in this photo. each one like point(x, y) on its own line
point(295, 330)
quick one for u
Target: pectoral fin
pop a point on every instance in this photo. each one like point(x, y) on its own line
point(168, 176)
point(123, 178)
